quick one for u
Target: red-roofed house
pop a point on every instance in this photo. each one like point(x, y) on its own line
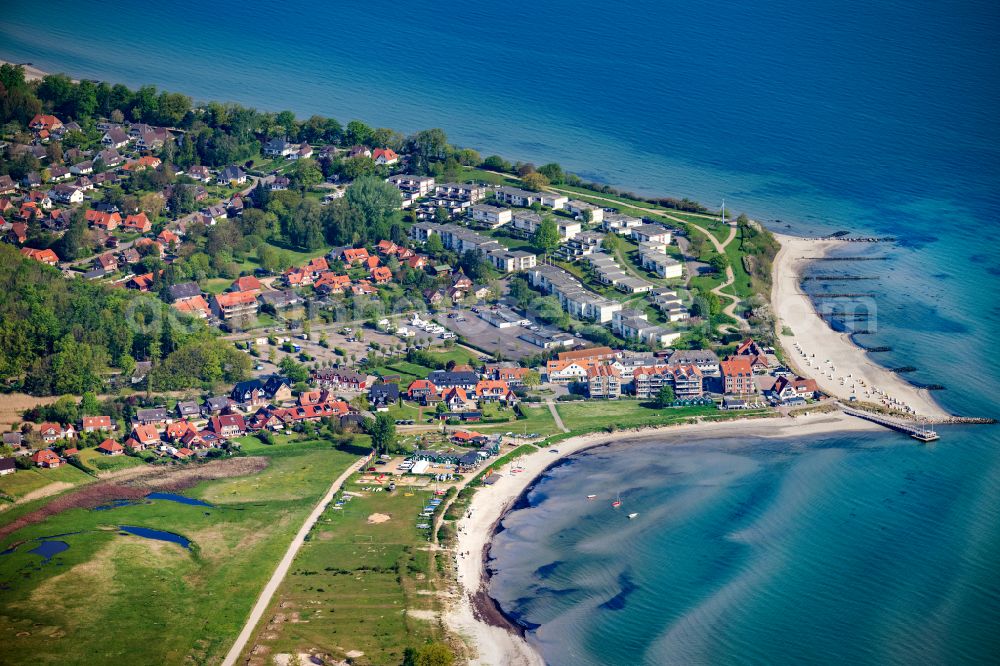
point(386, 247)
point(234, 304)
point(51, 432)
point(42, 122)
point(416, 262)
point(46, 458)
point(105, 221)
point(353, 256)
point(492, 390)
point(247, 283)
point(196, 306)
point(330, 283)
point(381, 274)
point(737, 375)
point(385, 156)
point(178, 429)
point(107, 262)
point(144, 162)
point(47, 257)
point(145, 435)
point(421, 389)
point(95, 423)
point(228, 425)
point(110, 447)
point(138, 222)
point(18, 231)
point(167, 237)
point(316, 265)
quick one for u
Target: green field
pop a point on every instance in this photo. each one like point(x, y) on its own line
point(167, 604)
point(98, 462)
point(24, 481)
point(359, 585)
point(594, 415)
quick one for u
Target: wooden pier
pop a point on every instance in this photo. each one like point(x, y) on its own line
point(918, 431)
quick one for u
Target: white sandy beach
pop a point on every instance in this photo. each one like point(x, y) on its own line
point(815, 350)
point(501, 646)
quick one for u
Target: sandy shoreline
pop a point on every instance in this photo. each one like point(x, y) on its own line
point(496, 642)
point(815, 350)
point(31, 73)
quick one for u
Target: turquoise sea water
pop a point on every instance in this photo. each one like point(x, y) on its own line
point(871, 117)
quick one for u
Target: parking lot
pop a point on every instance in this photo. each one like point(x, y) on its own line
point(503, 341)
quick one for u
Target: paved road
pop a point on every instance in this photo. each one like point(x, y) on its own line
point(279, 574)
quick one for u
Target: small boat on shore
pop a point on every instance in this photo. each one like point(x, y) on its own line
point(632, 516)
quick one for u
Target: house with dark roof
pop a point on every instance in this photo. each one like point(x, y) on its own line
point(249, 394)
point(278, 388)
point(446, 379)
point(215, 405)
point(277, 299)
point(186, 408)
point(184, 291)
point(231, 174)
point(155, 415)
point(383, 396)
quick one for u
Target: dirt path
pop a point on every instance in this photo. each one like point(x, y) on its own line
point(555, 415)
point(279, 573)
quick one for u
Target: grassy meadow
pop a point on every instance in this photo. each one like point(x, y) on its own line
point(112, 597)
point(358, 585)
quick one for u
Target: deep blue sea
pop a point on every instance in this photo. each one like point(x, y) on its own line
point(873, 117)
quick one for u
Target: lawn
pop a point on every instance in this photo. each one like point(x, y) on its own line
point(216, 285)
point(24, 481)
point(98, 462)
point(537, 418)
point(359, 585)
point(598, 414)
point(147, 589)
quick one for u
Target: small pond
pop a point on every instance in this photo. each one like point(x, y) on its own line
point(159, 535)
point(48, 549)
point(171, 497)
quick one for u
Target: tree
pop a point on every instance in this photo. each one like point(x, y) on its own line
point(531, 379)
point(535, 181)
point(182, 200)
point(382, 430)
point(665, 397)
point(306, 173)
point(719, 263)
point(293, 370)
point(152, 203)
point(71, 245)
point(375, 199)
point(546, 237)
point(496, 163)
point(434, 245)
point(553, 172)
point(89, 405)
point(357, 133)
point(611, 242)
